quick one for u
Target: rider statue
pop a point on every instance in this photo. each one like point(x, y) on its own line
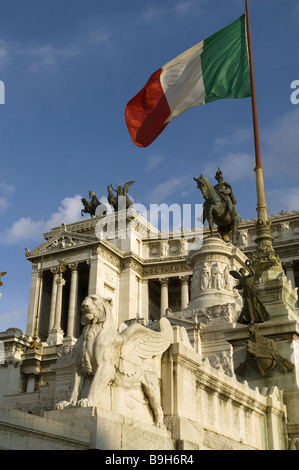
point(225, 192)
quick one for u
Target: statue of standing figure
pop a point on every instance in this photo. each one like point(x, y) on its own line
point(253, 310)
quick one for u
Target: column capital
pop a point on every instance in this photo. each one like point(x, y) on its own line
point(73, 266)
point(184, 279)
point(288, 264)
point(54, 271)
point(164, 281)
point(60, 280)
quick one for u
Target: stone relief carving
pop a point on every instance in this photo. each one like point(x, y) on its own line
point(124, 358)
point(243, 238)
point(211, 276)
point(164, 248)
point(219, 312)
point(205, 277)
point(195, 282)
point(223, 362)
point(217, 279)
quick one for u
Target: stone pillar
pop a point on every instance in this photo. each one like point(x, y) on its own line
point(164, 296)
point(73, 300)
point(145, 300)
point(56, 333)
point(184, 291)
point(289, 268)
point(55, 272)
point(57, 318)
point(30, 383)
point(95, 283)
point(33, 300)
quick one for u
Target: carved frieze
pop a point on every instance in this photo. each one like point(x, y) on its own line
point(59, 242)
point(211, 276)
point(171, 268)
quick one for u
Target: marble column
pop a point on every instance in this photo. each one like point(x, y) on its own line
point(184, 291)
point(289, 268)
point(73, 301)
point(56, 334)
point(33, 299)
point(164, 296)
point(55, 272)
point(145, 300)
point(57, 318)
point(95, 283)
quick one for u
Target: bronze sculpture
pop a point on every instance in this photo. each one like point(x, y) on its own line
point(219, 206)
point(253, 310)
point(90, 207)
point(1, 275)
point(120, 192)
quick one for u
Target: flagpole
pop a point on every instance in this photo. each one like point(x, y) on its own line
point(265, 257)
point(261, 203)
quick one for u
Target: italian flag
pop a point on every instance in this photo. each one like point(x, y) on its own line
point(214, 69)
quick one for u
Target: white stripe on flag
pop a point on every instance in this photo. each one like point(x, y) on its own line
point(182, 81)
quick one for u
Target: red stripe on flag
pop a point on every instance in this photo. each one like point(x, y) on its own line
point(147, 112)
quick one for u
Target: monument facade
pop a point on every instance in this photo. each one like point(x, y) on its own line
point(201, 379)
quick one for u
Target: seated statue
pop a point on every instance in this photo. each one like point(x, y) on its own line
point(124, 358)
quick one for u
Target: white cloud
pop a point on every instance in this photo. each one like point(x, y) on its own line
point(7, 319)
point(238, 137)
point(27, 229)
point(179, 7)
point(163, 192)
point(184, 6)
point(6, 192)
point(4, 52)
point(241, 166)
point(281, 145)
point(282, 199)
point(154, 160)
point(45, 55)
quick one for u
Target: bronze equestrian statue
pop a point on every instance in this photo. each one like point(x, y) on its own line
point(219, 206)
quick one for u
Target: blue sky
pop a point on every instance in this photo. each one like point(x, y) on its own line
point(69, 68)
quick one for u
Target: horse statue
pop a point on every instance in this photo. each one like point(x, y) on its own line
point(90, 207)
point(219, 207)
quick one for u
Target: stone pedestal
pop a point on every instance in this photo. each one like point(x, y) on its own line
point(55, 337)
point(278, 295)
point(113, 431)
point(212, 283)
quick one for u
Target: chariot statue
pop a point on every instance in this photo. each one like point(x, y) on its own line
point(1, 275)
point(219, 206)
point(90, 207)
point(120, 191)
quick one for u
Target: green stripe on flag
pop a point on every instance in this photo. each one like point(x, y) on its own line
point(225, 63)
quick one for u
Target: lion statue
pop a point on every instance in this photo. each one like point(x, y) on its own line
point(123, 357)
